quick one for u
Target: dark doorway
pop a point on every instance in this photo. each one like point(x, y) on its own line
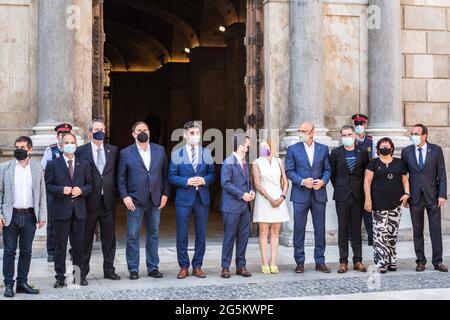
point(171, 61)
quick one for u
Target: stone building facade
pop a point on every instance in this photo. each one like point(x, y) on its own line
point(316, 60)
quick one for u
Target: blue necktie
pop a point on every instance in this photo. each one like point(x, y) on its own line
point(421, 164)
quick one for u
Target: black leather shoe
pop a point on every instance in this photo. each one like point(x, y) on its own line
point(134, 276)
point(27, 289)
point(59, 284)
point(155, 274)
point(9, 291)
point(112, 276)
point(84, 282)
point(51, 258)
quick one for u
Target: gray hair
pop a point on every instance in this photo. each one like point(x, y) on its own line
point(347, 127)
point(91, 124)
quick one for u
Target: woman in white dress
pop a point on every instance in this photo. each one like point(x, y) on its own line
point(270, 210)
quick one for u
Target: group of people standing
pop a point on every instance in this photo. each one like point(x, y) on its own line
point(77, 190)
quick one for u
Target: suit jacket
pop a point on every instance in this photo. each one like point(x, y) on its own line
point(105, 180)
point(57, 177)
point(298, 168)
point(181, 169)
point(432, 180)
point(344, 182)
point(234, 184)
point(7, 186)
point(135, 181)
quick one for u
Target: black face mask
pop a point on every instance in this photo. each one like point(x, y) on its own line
point(385, 151)
point(143, 137)
point(99, 136)
point(20, 154)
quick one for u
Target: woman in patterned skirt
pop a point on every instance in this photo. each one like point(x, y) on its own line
point(386, 188)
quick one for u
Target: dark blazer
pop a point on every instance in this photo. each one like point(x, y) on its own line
point(298, 168)
point(57, 177)
point(345, 183)
point(235, 184)
point(432, 180)
point(181, 170)
point(105, 180)
point(135, 181)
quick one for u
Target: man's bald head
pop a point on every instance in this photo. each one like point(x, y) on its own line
point(306, 127)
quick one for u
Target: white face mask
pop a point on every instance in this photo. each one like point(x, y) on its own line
point(360, 130)
point(303, 137)
point(416, 140)
point(194, 140)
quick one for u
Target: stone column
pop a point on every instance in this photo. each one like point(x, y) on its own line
point(385, 76)
point(385, 91)
point(276, 67)
point(64, 67)
point(64, 70)
point(306, 86)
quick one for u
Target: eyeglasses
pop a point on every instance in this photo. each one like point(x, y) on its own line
point(304, 131)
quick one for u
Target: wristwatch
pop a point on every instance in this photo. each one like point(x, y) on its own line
point(407, 194)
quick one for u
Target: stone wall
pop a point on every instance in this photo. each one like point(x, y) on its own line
point(18, 58)
point(426, 71)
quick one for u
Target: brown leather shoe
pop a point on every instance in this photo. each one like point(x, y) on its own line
point(198, 272)
point(343, 268)
point(243, 272)
point(225, 273)
point(441, 267)
point(300, 268)
point(323, 268)
point(359, 266)
point(420, 267)
point(183, 274)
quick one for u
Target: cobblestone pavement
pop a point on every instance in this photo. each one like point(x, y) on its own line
point(286, 285)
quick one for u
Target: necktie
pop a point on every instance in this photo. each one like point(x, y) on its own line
point(244, 167)
point(70, 168)
point(100, 163)
point(194, 159)
point(421, 164)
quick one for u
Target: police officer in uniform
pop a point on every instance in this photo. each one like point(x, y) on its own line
point(365, 142)
point(53, 152)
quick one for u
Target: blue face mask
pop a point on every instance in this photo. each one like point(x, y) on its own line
point(348, 142)
point(70, 148)
point(416, 140)
point(99, 136)
point(359, 130)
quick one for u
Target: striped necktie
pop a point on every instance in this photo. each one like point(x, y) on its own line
point(194, 159)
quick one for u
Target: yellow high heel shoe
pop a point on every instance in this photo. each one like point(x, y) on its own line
point(274, 269)
point(265, 269)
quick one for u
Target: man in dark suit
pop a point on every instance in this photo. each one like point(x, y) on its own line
point(308, 167)
point(235, 206)
point(101, 203)
point(192, 172)
point(144, 188)
point(425, 164)
point(348, 165)
point(69, 181)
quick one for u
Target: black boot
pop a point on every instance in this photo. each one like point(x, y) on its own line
point(9, 291)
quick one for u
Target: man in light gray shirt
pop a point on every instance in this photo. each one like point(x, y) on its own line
point(23, 208)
